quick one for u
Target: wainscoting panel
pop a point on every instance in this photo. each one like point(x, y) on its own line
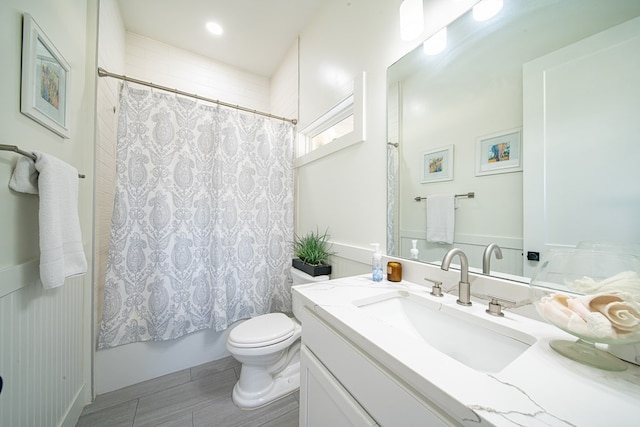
point(41, 354)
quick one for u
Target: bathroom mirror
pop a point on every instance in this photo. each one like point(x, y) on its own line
point(465, 97)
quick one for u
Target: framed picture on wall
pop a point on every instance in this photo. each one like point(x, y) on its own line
point(437, 165)
point(499, 152)
point(45, 80)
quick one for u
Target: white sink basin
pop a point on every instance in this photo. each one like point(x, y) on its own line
point(477, 342)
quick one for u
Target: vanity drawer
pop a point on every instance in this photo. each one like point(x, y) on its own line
point(323, 400)
point(377, 390)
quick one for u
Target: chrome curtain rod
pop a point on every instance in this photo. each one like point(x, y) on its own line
point(469, 195)
point(15, 149)
point(104, 73)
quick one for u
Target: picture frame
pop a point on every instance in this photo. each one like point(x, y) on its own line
point(499, 152)
point(45, 80)
point(437, 165)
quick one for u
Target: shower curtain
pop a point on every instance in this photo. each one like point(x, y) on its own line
point(202, 221)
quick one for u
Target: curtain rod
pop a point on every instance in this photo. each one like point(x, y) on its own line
point(104, 73)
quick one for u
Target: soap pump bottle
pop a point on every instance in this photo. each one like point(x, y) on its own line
point(414, 250)
point(376, 263)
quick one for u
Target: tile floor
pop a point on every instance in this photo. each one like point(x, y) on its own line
point(199, 396)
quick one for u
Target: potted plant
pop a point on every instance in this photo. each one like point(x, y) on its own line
point(311, 252)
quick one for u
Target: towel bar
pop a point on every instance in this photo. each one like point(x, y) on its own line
point(469, 195)
point(15, 149)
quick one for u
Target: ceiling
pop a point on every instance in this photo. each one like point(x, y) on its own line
point(257, 33)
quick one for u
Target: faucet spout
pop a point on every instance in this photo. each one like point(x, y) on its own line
point(486, 257)
point(464, 287)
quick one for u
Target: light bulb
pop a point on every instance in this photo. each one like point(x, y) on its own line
point(411, 19)
point(486, 9)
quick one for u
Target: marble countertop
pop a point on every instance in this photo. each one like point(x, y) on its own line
point(539, 388)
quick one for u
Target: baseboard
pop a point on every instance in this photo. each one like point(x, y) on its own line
point(70, 419)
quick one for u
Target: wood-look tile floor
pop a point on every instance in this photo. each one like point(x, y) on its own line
point(195, 397)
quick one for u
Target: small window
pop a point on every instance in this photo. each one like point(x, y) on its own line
point(341, 126)
point(334, 132)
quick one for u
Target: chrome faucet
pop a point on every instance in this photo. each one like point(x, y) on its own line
point(486, 256)
point(464, 287)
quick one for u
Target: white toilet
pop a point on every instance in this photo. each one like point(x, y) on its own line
point(268, 346)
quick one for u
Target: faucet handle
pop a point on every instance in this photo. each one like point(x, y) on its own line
point(495, 306)
point(436, 289)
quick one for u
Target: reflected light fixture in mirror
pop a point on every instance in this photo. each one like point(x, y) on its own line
point(436, 43)
point(486, 9)
point(411, 19)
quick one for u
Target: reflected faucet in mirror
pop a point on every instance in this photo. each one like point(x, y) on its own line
point(486, 257)
point(464, 287)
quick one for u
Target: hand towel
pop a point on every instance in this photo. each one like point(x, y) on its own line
point(25, 176)
point(61, 249)
point(441, 218)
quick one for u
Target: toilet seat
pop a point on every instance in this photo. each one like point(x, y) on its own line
point(264, 330)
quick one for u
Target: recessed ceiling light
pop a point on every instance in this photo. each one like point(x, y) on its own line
point(214, 28)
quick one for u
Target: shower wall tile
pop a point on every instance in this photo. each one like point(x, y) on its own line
point(111, 53)
point(284, 86)
point(151, 60)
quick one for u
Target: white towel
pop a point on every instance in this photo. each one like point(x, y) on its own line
point(61, 250)
point(441, 218)
point(25, 177)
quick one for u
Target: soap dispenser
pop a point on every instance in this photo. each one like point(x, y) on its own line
point(414, 250)
point(376, 264)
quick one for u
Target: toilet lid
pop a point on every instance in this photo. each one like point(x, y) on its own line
point(263, 330)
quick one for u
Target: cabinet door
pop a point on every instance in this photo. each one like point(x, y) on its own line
point(581, 145)
point(323, 401)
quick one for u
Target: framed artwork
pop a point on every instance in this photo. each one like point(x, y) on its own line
point(45, 80)
point(499, 152)
point(437, 165)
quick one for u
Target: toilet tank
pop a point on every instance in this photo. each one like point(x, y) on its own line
point(300, 277)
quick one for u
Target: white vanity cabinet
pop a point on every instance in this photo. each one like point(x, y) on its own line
point(358, 369)
point(323, 401)
point(340, 385)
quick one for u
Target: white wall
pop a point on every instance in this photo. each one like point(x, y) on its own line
point(346, 191)
point(150, 60)
point(45, 334)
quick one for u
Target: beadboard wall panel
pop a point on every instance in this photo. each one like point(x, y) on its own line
point(41, 353)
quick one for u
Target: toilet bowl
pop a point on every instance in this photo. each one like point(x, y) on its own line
point(268, 347)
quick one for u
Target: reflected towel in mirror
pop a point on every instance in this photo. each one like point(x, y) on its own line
point(441, 218)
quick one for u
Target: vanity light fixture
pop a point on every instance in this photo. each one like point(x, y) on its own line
point(436, 43)
point(214, 28)
point(486, 9)
point(411, 19)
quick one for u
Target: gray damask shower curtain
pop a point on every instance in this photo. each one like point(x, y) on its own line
point(202, 222)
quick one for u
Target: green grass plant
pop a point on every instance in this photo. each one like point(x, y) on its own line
point(312, 248)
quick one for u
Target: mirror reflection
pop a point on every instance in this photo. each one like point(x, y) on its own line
point(456, 126)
